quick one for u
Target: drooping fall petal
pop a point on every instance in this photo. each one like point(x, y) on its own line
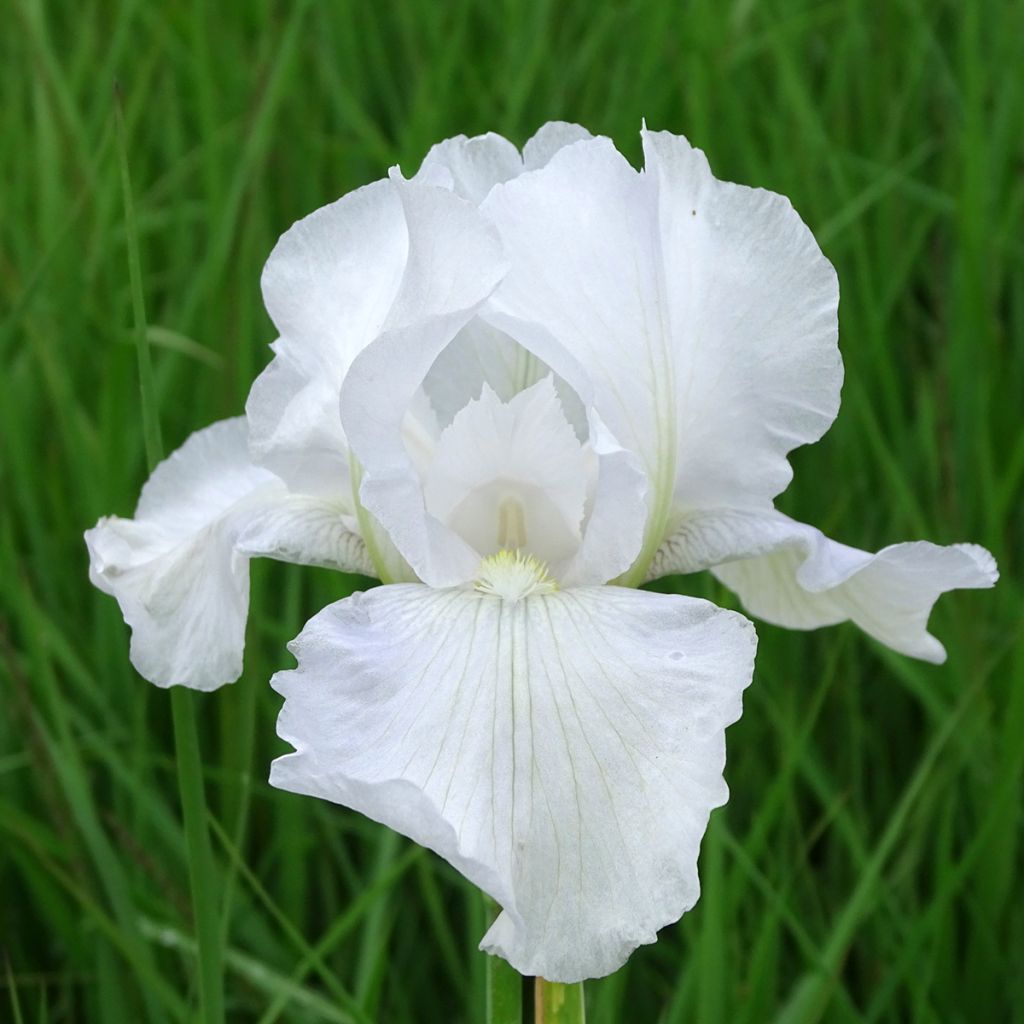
point(179, 568)
point(563, 751)
point(792, 575)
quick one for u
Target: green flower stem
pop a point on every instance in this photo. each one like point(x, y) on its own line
point(554, 1003)
point(205, 905)
point(504, 983)
point(205, 902)
point(504, 993)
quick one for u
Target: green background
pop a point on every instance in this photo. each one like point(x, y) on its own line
point(868, 865)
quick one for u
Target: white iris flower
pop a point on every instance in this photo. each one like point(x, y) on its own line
point(515, 387)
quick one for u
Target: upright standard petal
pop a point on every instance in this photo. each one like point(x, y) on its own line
point(753, 307)
point(704, 310)
point(340, 276)
point(562, 751)
point(578, 235)
point(179, 569)
point(792, 575)
point(406, 260)
point(455, 262)
point(387, 257)
point(329, 286)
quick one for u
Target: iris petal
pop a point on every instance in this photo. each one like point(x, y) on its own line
point(179, 568)
point(704, 311)
point(562, 751)
point(791, 574)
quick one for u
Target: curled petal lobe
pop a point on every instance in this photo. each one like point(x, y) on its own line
point(333, 277)
point(792, 575)
point(179, 569)
point(471, 167)
point(548, 140)
point(185, 600)
point(563, 750)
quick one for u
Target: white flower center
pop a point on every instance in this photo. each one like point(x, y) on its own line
point(511, 575)
point(510, 476)
point(509, 514)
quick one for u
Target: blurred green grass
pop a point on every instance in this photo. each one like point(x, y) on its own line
point(868, 867)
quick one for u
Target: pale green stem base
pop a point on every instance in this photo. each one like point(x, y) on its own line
point(554, 1003)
